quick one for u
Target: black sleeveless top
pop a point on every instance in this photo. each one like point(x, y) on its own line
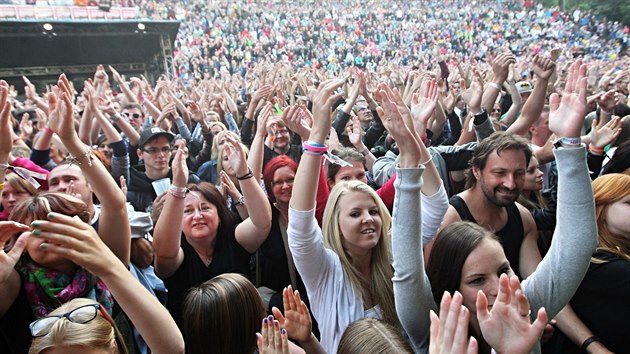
point(511, 235)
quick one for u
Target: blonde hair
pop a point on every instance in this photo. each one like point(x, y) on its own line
point(214, 151)
point(98, 333)
point(378, 289)
point(20, 184)
point(370, 335)
point(607, 190)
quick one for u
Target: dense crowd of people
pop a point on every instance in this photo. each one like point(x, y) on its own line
point(220, 37)
point(392, 178)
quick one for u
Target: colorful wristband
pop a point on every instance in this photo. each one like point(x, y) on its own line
point(309, 146)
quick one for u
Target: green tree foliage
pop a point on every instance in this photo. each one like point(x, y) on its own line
point(616, 10)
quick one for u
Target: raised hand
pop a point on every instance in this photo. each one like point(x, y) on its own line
point(71, 238)
point(423, 103)
point(566, 116)
point(26, 126)
point(9, 259)
point(602, 136)
point(322, 106)
point(607, 101)
point(507, 327)
point(42, 119)
point(296, 319)
point(543, 67)
point(501, 67)
point(297, 121)
point(393, 121)
point(227, 185)
point(196, 113)
point(272, 339)
point(262, 126)
point(29, 89)
point(233, 149)
point(123, 185)
point(180, 168)
point(449, 331)
point(60, 120)
point(355, 132)
point(472, 95)
point(117, 77)
point(6, 144)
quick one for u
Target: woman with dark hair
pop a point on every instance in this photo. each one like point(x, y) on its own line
point(542, 205)
point(468, 258)
point(222, 315)
point(620, 161)
point(206, 242)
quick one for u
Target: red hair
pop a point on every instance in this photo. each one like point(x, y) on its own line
point(270, 169)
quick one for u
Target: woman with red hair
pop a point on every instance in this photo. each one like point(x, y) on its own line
point(275, 269)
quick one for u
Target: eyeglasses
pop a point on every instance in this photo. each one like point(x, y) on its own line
point(281, 183)
point(282, 132)
point(496, 110)
point(82, 315)
point(152, 151)
point(134, 115)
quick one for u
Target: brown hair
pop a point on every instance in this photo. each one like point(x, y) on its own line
point(347, 154)
point(222, 315)
point(38, 207)
point(214, 197)
point(499, 142)
point(450, 250)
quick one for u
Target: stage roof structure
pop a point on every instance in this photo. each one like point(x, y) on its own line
point(42, 49)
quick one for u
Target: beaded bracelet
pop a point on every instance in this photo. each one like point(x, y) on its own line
point(74, 160)
point(178, 192)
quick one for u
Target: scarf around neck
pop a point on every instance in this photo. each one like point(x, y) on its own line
point(47, 289)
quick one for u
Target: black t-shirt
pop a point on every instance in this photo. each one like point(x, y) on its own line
point(511, 235)
point(229, 257)
point(15, 336)
point(272, 259)
point(601, 302)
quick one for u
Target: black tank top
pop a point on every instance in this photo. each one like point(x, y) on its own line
point(511, 235)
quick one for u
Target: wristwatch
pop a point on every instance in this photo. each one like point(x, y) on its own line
point(240, 201)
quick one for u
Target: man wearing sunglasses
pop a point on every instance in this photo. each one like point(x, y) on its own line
point(134, 115)
point(155, 149)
